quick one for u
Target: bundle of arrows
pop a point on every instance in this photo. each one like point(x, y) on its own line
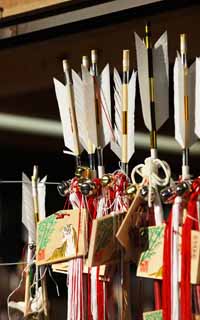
point(128, 241)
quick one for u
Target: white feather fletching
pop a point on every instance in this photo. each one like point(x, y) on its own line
point(197, 98)
point(131, 115)
point(143, 77)
point(89, 100)
point(179, 102)
point(105, 131)
point(161, 80)
point(61, 95)
point(28, 218)
point(42, 198)
point(191, 138)
point(116, 145)
point(184, 135)
point(80, 108)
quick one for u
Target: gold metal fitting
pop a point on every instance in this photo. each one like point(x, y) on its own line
point(65, 65)
point(148, 35)
point(183, 43)
point(94, 56)
point(85, 61)
point(126, 54)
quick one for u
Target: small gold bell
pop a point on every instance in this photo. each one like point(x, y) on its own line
point(79, 172)
point(106, 179)
point(131, 190)
point(86, 172)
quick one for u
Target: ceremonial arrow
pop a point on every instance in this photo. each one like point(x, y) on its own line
point(124, 128)
point(30, 215)
point(102, 108)
point(123, 146)
point(91, 147)
point(65, 98)
point(28, 220)
point(38, 195)
point(153, 78)
point(83, 113)
point(184, 105)
point(95, 109)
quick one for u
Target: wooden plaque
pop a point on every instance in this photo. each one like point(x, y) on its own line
point(61, 237)
point(126, 231)
point(151, 258)
point(104, 247)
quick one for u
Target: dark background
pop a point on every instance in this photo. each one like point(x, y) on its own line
point(27, 66)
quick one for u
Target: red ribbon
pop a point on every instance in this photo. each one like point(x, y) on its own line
point(100, 297)
point(166, 286)
point(191, 222)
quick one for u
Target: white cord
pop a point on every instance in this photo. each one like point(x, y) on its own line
point(54, 281)
point(17, 288)
point(149, 171)
point(149, 174)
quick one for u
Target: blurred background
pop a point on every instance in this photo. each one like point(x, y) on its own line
point(34, 38)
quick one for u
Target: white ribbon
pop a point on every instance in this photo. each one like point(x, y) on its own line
point(75, 202)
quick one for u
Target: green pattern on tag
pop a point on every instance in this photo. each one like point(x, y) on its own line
point(153, 315)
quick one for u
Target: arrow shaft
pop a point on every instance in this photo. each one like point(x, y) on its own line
point(185, 151)
point(90, 146)
point(98, 111)
point(30, 246)
point(125, 81)
point(153, 132)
